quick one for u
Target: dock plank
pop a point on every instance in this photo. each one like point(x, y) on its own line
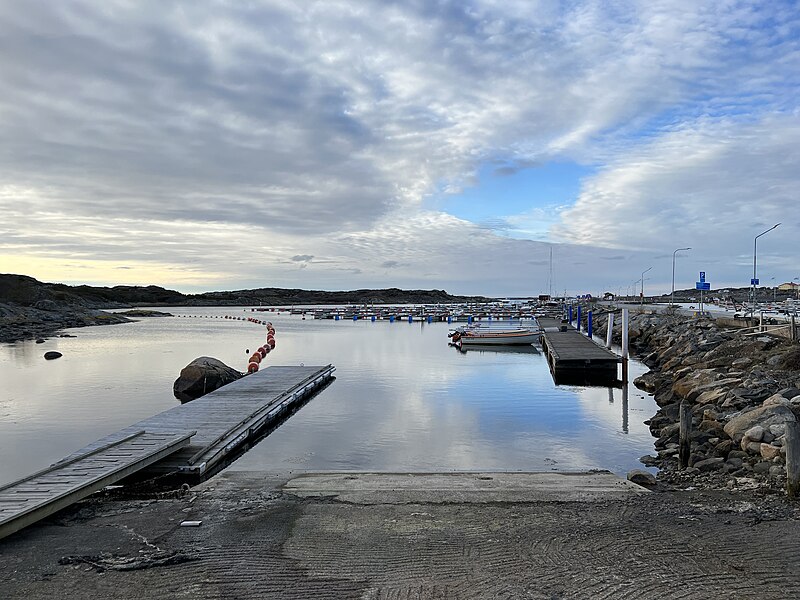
point(39, 495)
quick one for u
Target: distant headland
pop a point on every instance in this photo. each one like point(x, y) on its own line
point(30, 308)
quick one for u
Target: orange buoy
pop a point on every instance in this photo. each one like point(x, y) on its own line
point(271, 343)
point(252, 367)
point(267, 348)
point(256, 358)
point(262, 351)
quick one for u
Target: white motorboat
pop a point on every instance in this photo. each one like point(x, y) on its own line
point(495, 336)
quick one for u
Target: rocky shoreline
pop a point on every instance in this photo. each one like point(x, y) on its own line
point(742, 389)
point(46, 319)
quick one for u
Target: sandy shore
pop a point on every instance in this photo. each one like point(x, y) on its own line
point(360, 535)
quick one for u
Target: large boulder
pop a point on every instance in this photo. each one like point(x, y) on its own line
point(201, 376)
point(763, 416)
point(683, 386)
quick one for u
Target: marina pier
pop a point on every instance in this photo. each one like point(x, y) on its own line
point(574, 358)
point(194, 440)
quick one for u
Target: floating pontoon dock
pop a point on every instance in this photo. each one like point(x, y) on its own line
point(195, 439)
point(574, 358)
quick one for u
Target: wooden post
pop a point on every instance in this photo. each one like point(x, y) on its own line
point(761, 321)
point(685, 433)
point(624, 345)
point(610, 331)
point(793, 459)
point(794, 330)
point(625, 408)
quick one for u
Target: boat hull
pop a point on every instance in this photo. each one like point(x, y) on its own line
point(500, 339)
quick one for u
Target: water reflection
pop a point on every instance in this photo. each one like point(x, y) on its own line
point(403, 399)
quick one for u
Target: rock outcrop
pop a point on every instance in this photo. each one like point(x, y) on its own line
point(201, 376)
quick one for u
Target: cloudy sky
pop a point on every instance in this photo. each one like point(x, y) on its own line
point(417, 144)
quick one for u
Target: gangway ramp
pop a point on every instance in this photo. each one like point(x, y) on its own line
point(37, 496)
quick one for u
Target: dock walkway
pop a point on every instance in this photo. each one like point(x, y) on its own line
point(33, 498)
point(574, 358)
point(196, 440)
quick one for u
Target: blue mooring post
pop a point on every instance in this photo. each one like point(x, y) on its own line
point(570, 315)
point(373, 318)
point(589, 325)
point(578, 326)
point(355, 317)
point(430, 319)
point(391, 318)
point(336, 317)
point(469, 319)
point(449, 319)
point(410, 318)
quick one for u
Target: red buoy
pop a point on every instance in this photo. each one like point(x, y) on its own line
point(252, 367)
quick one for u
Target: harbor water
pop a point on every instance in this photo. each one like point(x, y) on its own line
point(403, 400)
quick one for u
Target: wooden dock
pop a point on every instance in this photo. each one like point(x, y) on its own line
point(194, 440)
point(35, 497)
point(574, 358)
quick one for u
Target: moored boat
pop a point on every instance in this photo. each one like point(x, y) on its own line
point(495, 336)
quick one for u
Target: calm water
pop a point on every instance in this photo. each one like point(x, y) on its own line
point(402, 399)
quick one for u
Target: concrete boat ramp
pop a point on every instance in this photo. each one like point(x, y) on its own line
point(195, 440)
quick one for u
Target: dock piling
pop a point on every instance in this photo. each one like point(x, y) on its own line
point(624, 345)
point(685, 433)
point(793, 459)
point(610, 331)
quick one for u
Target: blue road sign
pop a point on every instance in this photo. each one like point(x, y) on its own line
point(702, 276)
point(754, 282)
point(702, 285)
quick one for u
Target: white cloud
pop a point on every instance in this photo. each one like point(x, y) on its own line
point(712, 186)
point(178, 135)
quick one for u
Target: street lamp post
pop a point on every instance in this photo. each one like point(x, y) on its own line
point(641, 296)
point(672, 297)
point(753, 283)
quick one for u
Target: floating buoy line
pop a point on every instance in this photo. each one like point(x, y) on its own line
point(261, 352)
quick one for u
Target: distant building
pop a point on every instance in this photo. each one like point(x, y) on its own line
point(788, 287)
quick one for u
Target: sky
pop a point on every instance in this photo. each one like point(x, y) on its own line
point(453, 145)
